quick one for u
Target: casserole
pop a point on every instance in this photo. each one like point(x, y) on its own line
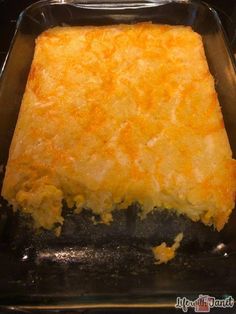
point(118, 127)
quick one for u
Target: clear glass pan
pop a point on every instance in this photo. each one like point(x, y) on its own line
point(112, 266)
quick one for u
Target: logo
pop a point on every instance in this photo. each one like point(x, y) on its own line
point(204, 303)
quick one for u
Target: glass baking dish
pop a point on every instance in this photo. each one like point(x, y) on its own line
point(112, 266)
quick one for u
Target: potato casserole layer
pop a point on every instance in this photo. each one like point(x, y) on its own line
point(119, 114)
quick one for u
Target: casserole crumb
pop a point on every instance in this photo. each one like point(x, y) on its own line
point(164, 253)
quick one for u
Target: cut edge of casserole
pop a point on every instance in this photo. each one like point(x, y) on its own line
point(120, 114)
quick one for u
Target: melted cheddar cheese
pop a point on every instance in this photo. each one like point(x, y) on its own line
point(119, 114)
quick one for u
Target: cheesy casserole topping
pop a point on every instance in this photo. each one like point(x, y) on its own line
point(119, 114)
